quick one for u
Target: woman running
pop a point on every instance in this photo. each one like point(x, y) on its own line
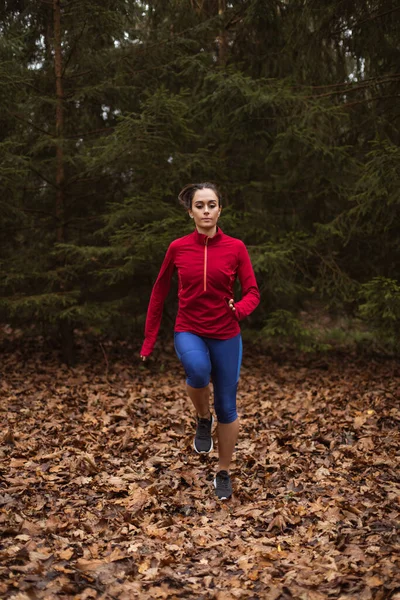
point(207, 333)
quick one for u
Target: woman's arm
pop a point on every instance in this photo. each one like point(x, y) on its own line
point(156, 304)
point(250, 293)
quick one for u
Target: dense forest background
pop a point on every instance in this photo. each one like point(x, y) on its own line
point(110, 107)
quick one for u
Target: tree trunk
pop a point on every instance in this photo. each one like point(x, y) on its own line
point(59, 122)
point(65, 328)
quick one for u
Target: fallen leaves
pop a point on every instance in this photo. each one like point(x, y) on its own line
point(101, 495)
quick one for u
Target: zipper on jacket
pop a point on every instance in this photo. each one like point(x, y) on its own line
point(205, 264)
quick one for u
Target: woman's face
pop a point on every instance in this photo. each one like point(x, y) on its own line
point(205, 210)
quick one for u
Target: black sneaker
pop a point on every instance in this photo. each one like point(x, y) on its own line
point(223, 486)
point(203, 443)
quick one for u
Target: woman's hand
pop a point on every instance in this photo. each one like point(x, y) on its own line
point(232, 304)
point(143, 358)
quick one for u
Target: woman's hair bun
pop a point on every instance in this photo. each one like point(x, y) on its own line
point(185, 196)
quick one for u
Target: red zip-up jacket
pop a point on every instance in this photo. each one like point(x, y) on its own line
point(207, 269)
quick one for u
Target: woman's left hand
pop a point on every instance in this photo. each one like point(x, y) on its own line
point(232, 304)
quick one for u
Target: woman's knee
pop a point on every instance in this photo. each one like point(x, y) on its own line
point(198, 371)
point(226, 416)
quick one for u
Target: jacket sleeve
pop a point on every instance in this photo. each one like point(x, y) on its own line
point(250, 293)
point(156, 304)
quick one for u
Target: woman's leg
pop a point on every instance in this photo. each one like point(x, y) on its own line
point(195, 357)
point(227, 437)
point(226, 359)
point(200, 398)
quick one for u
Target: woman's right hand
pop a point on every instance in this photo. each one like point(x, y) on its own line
point(143, 358)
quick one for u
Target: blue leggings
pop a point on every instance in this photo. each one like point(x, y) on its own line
point(204, 358)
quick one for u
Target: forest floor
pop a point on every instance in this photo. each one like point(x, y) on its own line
point(102, 495)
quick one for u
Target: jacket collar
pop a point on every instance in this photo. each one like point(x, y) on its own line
point(200, 238)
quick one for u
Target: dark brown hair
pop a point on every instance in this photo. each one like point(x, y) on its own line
point(185, 196)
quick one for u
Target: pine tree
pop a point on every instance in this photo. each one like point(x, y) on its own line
point(66, 55)
point(112, 107)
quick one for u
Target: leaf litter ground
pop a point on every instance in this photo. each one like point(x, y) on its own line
point(102, 495)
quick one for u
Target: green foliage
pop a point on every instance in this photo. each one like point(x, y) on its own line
point(380, 307)
point(294, 117)
point(281, 268)
point(282, 326)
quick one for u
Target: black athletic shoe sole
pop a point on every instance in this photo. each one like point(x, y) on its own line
point(223, 497)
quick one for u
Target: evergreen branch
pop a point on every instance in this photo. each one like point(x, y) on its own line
point(372, 17)
point(348, 104)
point(78, 74)
point(378, 16)
point(76, 41)
point(87, 133)
point(235, 18)
point(71, 294)
point(145, 47)
point(17, 116)
point(68, 4)
point(78, 228)
point(40, 212)
point(86, 218)
point(39, 188)
point(18, 229)
point(343, 83)
point(30, 85)
point(356, 88)
point(43, 177)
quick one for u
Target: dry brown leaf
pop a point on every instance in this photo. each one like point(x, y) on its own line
point(360, 421)
point(66, 554)
point(9, 438)
point(144, 566)
point(374, 581)
point(321, 473)
point(278, 521)
point(39, 555)
point(86, 594)
point(224, 595)
point(88, 566)
point(365, 444)
point(138, 498)
point(32, 529)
